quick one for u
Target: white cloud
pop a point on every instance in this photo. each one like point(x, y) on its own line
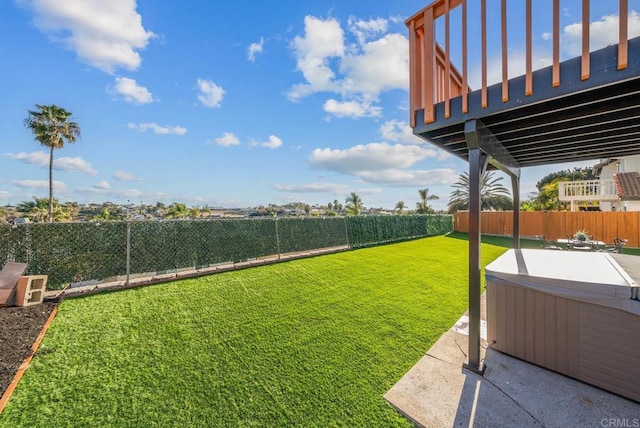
point(210, 94)
point(322, 40)
point(104, 34)
point(76, 164)
point(127, 193)
point(382, 163)
point(381, 65)
point(33, 158)
point(370, 157)
point(353, 109)
point(311, 188)
point(273, 142)
point(254, 49)
point(41, 159)
point(123, 176)
point(602, 33)
point(358, 72)
point(399, 131)
point(103, 185)
point(364, 30)
point(228, 139)
point(160, 130)
point(58, 186)
point(131, 91)
point(412, 178)
point(4, 194)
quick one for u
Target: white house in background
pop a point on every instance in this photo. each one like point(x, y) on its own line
point(616, 189)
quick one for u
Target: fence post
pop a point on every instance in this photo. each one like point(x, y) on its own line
point(346, 231)
point(128, 252)
point(277, 237)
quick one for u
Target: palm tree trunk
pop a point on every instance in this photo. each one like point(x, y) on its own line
point(51, 186)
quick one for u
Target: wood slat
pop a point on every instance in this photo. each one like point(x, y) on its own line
point(447, 62)
point(529, 62)
point(505, 60)
point(465, 84)
point(483, 17)
point(585, 40)
point(623, 44)
point(428, 67)
point(556, 44)
point(559, 224)
point(414, 81)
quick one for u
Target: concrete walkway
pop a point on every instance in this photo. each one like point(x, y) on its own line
point(438, 392)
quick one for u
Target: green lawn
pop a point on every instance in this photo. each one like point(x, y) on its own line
point(312, 342)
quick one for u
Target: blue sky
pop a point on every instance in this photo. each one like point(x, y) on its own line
point(236, 103)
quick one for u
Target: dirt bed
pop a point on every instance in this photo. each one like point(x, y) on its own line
point(19, 328)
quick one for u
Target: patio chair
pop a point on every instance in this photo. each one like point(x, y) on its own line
point(616, 247)
point(9, 276)
point(547, 244)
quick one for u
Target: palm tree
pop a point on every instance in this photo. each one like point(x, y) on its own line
point(423, 207)
point(177, 210)
point(51, 127)
point(38, 210)
point(493, 195)
point(337, 205)
point(400, 206)
point(354, 204)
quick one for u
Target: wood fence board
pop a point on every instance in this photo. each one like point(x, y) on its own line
point(602, 225)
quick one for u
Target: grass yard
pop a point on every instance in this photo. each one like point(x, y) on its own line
point(312, 342)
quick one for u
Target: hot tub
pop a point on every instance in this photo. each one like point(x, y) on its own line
point(571, 312)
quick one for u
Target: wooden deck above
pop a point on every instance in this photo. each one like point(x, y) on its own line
point(584, 108)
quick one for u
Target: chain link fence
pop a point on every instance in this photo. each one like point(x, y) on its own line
point(82, 253)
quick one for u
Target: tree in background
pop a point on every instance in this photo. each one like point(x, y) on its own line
point(547, 197)
point(51, 127)
point(422, 207)
point(353, 204)
point(178, 210)
point(38, 210)
point(493, 195)
point(104, 215)
point(400, 206)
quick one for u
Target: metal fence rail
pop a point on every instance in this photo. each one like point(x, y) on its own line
point(94, 252)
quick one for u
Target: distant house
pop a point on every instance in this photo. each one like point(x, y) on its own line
point(616, 189)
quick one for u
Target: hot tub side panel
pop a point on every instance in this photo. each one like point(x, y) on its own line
point(595, 344)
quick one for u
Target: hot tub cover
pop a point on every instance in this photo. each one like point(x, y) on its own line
point(590, 277)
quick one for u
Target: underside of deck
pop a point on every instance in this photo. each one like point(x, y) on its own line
point(578, 120)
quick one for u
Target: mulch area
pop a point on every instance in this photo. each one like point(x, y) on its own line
point(19, 328)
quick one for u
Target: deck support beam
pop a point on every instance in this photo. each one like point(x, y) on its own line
point(484, 149)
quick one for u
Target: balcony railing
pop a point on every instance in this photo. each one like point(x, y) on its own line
point(434, 79)
point(589, 190)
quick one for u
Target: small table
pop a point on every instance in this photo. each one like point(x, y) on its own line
point(584, 245)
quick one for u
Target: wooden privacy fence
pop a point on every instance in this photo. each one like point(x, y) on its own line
point(603, 226)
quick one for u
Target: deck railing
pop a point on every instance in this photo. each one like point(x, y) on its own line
point(434, 79)
point(587, 190)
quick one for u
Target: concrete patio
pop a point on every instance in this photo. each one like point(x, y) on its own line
point(439, 392)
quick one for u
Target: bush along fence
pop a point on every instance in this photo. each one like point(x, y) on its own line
point(108, 251)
